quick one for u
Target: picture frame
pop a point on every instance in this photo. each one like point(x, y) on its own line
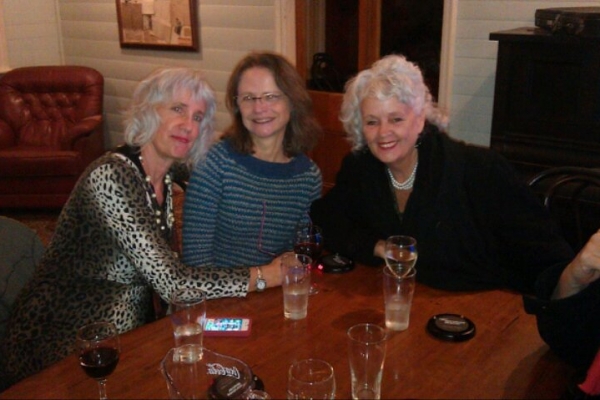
point(158, 24)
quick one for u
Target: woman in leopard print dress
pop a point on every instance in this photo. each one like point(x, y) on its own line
point(111, 246)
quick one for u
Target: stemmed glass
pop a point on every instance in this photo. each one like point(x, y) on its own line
point(400, 254)
point(309, 241)
point(99, 348)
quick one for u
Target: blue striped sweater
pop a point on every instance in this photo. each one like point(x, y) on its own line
point(229, 198)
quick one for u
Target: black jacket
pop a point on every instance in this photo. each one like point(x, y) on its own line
point(477, 225)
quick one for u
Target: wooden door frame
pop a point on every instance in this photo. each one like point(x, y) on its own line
point(369, 39)
point(369, 23)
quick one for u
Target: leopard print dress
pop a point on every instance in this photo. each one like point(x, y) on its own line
point(105, 258)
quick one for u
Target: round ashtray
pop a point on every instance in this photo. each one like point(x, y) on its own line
point(451, 327)
point(336, 264)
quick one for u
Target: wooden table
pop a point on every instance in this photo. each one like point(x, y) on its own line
point(505, 359)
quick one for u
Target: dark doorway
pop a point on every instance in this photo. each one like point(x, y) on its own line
point(414, 28)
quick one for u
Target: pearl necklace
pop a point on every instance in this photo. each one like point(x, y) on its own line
point(160, 221)
point(407, 184)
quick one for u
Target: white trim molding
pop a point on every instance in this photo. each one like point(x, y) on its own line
point(285, 29)
point(447, 55)
point(4, 64)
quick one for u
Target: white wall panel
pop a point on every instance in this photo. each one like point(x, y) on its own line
point(31, 33)
point(245, 16)
point(239, 39)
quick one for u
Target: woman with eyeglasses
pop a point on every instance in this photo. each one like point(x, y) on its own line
point(243, 203)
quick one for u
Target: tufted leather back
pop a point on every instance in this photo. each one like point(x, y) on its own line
point(41, 104)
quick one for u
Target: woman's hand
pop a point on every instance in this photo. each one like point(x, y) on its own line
point(583, 270)
point(379, 250)
point(271, 272)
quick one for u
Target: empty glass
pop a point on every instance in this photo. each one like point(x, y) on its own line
point(311, 379)
point(366, 355)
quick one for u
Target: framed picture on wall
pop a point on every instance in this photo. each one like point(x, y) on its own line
point(158, 24)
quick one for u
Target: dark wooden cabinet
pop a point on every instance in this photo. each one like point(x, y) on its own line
point(547, 99)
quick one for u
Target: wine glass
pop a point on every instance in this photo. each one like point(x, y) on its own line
point(99, 349)
point(400, 254)
point(309, 241)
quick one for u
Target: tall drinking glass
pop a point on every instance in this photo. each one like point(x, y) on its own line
point(366, 355)
point(99, 348)
point(188, 316)
point(295, 284)
point(398, 294)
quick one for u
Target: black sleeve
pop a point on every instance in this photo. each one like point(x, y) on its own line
point(570, 326)
point(527, 240)
point(339, 214)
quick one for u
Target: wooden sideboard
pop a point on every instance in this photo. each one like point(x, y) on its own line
point(547, 114)
point(547, 99)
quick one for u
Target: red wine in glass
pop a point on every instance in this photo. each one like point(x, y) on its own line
point(99, 349)
point(100, 362)
point(313, 250)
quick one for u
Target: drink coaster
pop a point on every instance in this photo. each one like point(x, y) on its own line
point(451, 327)
point(335, 264)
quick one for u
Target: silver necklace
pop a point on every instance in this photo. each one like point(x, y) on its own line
point(407, 184)
point(160, 220)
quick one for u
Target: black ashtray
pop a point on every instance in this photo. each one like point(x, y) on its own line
point(335, 264)
point(451, 327)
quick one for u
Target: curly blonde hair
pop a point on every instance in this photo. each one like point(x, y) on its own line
point(393, 76)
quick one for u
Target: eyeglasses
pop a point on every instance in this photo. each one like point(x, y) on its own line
point(260, 233)
point(247, 100)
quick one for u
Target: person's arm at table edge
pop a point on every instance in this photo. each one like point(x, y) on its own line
point(583, 270)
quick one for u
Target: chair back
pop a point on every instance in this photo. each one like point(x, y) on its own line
point(40, 104)
point(21, 249)
point(572, 195)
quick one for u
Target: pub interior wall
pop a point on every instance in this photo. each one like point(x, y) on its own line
point(85, 32)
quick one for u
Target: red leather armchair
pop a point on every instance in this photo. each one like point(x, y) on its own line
point(51, 128)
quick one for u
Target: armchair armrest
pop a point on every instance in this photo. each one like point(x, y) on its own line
point(7, 135)
point(83, 128)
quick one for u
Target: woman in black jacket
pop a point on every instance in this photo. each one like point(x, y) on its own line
point(477, 225)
